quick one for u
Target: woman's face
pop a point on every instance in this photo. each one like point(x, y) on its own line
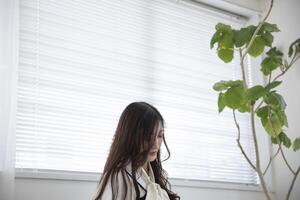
point(157, 143)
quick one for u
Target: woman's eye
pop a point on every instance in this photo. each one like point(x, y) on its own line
point(160, 135)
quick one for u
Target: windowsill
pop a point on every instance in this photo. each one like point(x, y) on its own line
point(94, 177)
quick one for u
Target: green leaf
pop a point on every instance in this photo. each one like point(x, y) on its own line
point(282, 117)
point(224, 85)
point(255, 92)
point(263, 112)
point(268, 38)
point(272, 125)
point(281, 101)
point(291, 51)
point(269, 27)
point(226, 41)
point(257, 47)
point(242, 36)
point(251, 30)
point(272, 61)
point(272, 85)
point(221, 103)
point(282, 138)
point(295, 46)
point(220, 86)
point(296, 144)
point(274, 52)
point(275, 140)
point(273, 110)
point(245, 107)
point(286, 141)
point(270, 121)
point(269, 64)
point(223, 27)
point(226, 55)
point(275, 100)
point(234, 97)
point(214, 39)
point(225, 37)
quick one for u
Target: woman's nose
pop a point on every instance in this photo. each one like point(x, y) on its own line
point(156, 144)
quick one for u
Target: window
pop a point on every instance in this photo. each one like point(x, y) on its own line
point(81, 62)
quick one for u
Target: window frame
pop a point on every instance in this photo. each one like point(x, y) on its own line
point(94, 177)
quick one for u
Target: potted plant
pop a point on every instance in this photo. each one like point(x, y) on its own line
point(260, 101)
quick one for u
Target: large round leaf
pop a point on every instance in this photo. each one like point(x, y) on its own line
point(221, 103)
point(255, 92)
point(296, 144)
point(272, 125)
point(257, 47)
point(234, 97)
point(226, 55)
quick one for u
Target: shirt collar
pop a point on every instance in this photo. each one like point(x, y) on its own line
point(141, 173)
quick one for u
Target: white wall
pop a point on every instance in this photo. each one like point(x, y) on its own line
point(287, 15)
point(5, 71)
point(36, 189)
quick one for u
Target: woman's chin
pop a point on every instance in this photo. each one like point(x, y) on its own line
point(152, 157)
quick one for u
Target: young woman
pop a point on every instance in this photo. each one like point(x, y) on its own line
point(133, 169)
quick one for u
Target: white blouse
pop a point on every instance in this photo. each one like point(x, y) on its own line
point(154, 191)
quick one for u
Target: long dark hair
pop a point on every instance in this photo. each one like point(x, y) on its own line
point(132, 142)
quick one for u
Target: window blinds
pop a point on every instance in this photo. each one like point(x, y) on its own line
point(82, 62)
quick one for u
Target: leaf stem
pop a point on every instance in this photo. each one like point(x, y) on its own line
point(286, 162)
point(292, 184)
point(243, 68)
point(282, 73)
point(239, 143)
point(270, 76)
point(257, 29)
point(271, 159)
point(259, 105)
point(294, 59)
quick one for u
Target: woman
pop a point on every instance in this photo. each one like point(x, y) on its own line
point(133, 168)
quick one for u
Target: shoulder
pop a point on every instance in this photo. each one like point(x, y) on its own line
point(117, 185)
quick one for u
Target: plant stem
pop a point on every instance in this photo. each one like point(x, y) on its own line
point(239, 143)
point(242, 57)
point(270, 76)
point(258, 169)
point(243, 68)
point(286, 162)
point(259, 106)
point(293, 61)
point(292, 184)
point(271, 159)
point(257, 29)
point(282, 73)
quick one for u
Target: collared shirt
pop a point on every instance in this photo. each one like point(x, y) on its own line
point(152, 191)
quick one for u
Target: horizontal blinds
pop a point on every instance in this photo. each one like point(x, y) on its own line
point(81, 63)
